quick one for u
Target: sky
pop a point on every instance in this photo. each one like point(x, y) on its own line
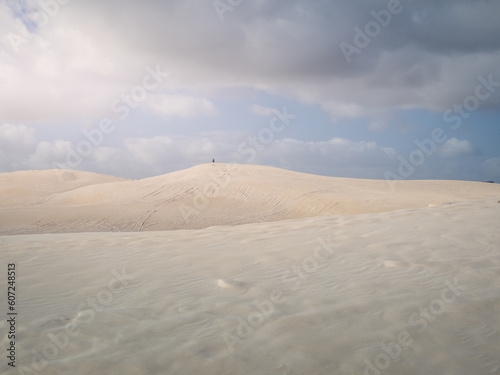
point(365, 89)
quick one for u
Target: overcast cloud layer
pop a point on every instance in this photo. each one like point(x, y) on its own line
point(379, 89)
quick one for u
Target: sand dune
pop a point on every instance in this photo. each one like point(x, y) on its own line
point(204, 196)
point(412, 291)
point(35, 187)
point(322, 276)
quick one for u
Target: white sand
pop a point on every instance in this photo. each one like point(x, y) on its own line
point(203, 196)
point(324, 294)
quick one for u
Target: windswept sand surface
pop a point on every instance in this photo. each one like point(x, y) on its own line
point(268, 272)
point(414, 291)
point(203, 196)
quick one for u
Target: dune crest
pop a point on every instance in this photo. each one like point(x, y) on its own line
point(55, 201)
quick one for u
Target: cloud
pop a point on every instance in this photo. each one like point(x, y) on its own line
point(336, 151)
point(262, 111)
point(335, 157)
point(69, 70)
point(183, 106)
point(16, 142)
point(291, 48)
point(47, 152)
point(169, 148)
point(147, 156)
point(58, 72)
point(454, 147)
point(338, 109)
point(162, 154)
point(12, 137)
point(139, 157)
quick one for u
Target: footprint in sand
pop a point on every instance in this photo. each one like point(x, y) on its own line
point(394, 264)
point(230, 284)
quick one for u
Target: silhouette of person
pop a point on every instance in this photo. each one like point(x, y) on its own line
point(213, 160)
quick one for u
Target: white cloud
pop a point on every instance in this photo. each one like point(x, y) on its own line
point(60, 71)
point(454, 147)
point(157, 155)
point(181, 106)
point(161, 154)
point(262, 111)
point(167, 149)
point(16, 143)
point(148, 156)
point(15, 136)
point(338, 109)
point(48, 152)
point(149, 150)
point(337, 152)
point(337, 157)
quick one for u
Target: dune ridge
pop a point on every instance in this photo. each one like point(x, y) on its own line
point(321, 276)
point(55, 201)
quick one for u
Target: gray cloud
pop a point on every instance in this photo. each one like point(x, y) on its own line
point(146, 156)
point(455, 147)
point(139, 157)
point(429, 55)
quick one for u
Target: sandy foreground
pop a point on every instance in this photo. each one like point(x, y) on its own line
point(321, 276)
